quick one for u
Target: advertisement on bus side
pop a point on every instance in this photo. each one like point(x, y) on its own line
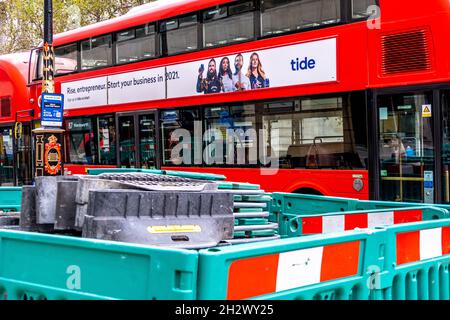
point(303, 63)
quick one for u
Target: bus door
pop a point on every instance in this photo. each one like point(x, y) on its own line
point(6, 156)
point(406, 147)
point(22, 154)
point(137, 140)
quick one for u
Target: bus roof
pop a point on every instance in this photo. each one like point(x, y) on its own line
point(151, 12)
point(16, 61)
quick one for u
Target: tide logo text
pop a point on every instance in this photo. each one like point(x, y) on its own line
point(303, 64)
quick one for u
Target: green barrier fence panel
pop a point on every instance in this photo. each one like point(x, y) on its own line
point(41, 266)
point(289, 203)
point(403, 262)
point(184, 174)
point(366, 204)
point(309, 204)
point(97, 171)
point(417, 259)
point(10, 198)
point(409, 261)
point(196, 175)
point(238, 185)
point(296, 268)
point(292, 225)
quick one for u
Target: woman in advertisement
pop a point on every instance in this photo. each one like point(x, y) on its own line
point(256, 73)
point(225, 75)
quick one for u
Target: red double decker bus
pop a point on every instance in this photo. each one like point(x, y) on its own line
point(351, 97)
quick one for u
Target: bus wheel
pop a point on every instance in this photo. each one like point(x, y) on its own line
point(308, 191)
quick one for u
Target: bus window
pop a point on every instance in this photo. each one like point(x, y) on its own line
point(225, 25)
point(127, 142)
point(278, 125)
point(147, 147)
point(6, 157)
point(360, 8)
point(80, 141)
point(66, 59)
point(317, 133)
point(5, 106)
point(280, 16)
point(36, 65)
point(232, 122)
point(106, 140)
point(136, 44)
point(96, 52)
point(180, 35)
point(171, 120)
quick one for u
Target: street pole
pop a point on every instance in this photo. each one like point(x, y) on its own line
point(48, 141)
point(48, 85)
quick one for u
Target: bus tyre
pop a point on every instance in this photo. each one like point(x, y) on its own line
point(308, 191)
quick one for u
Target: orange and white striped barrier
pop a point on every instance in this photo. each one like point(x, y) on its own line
point(252, 277)
point(345, 222)
point(420, 245)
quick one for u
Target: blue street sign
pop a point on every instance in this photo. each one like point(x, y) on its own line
point(52, 109)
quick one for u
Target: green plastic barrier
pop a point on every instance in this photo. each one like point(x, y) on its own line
point(195, 175)
point(40, 266)
point(366, 204)
point(184, 174)
point(417, 260)
point(294, 225)
point(403, 262)
point(10, 199)
point(297, 268)
point(238, 185)
point(97, 171)
point(290, 203)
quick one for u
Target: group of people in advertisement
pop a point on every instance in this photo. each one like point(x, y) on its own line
point(227, 81)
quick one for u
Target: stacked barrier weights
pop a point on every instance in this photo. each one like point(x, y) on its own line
point(48, 206)
point(251, 213)
point(134, 207)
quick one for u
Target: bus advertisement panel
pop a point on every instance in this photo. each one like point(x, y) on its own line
point(303, 63)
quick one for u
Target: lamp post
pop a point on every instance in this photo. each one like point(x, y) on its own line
point(48, 84)
point(48, 139)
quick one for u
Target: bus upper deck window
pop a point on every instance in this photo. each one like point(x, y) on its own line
point(187, 21)
point(96, 52)
point(180, 35)
point(66, 59)
point(360, 8)
point(35, 65)
point(136, 44)
point(228, 24)
point(281, 16)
